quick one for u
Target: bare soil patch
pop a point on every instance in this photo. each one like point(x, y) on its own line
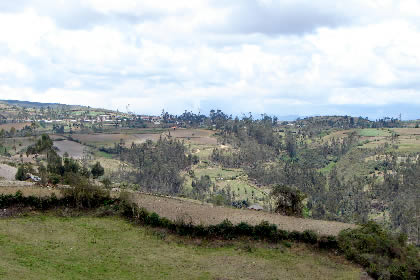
point(110, 139)
point(74, 149)
point(407, 131)
point(28, 190)
point(8, 126)
point(7, 172)
point(206, 214)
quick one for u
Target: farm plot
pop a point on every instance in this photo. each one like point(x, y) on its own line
point(18, 144)
point(196, 213)
point(108, 140)
point(193, 136)
point(18, 126)
point(28, 189)
point(7, 172)
point(374, 132)
point(407, 131)
point(74, 149)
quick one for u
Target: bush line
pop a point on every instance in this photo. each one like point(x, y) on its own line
point(225, 230)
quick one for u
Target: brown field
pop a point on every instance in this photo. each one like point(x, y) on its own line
point(193, 136)
point(337, 135)
point(74, 149)
point(8, 126)
point(407, 131)
point(206, 214)
point(28, 190)
point(110, 139)
point(7, 172)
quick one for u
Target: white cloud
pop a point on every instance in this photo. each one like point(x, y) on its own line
point(193, 54)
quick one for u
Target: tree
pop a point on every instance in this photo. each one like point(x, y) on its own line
point(291, 145)
point(289, 201)
point(23, 171)
point(97, 170)
point(201, 186)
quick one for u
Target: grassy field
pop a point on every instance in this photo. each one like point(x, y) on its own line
point(234, 178)
point(48, 247)
point(374, 132)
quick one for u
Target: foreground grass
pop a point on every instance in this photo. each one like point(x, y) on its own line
point(49, 247)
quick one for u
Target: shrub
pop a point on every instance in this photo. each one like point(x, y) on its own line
point(244, 229)
point(282, 234)
point(265, 230)
point(83, 194)
point(295, 235)
point(386, 256)
point(309, 236)
point(328, 242)
point(153, 220)
point(97, 170)
point(23, 171)
point(54, 179)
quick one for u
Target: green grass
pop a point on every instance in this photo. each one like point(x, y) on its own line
point(328, 168)
point(103, 155)
point(204, 151)
point(217, 172)
point(233, 177)
point(373, 132)
point(49, 247)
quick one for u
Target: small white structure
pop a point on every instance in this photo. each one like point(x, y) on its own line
point(35, 178)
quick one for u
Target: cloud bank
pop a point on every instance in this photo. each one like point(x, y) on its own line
point(277, 57)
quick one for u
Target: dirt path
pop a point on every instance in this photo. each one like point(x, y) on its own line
point(173, 209)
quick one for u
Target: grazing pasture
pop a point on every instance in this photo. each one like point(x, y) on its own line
point(48, 247)
point(374, 132)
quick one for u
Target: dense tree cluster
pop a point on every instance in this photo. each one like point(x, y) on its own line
point(42, 145)
point(400, 194)
point(158, 165)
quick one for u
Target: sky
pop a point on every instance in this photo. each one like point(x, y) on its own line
point(284, 57)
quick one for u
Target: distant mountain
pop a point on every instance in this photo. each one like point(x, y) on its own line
point(31, 104)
